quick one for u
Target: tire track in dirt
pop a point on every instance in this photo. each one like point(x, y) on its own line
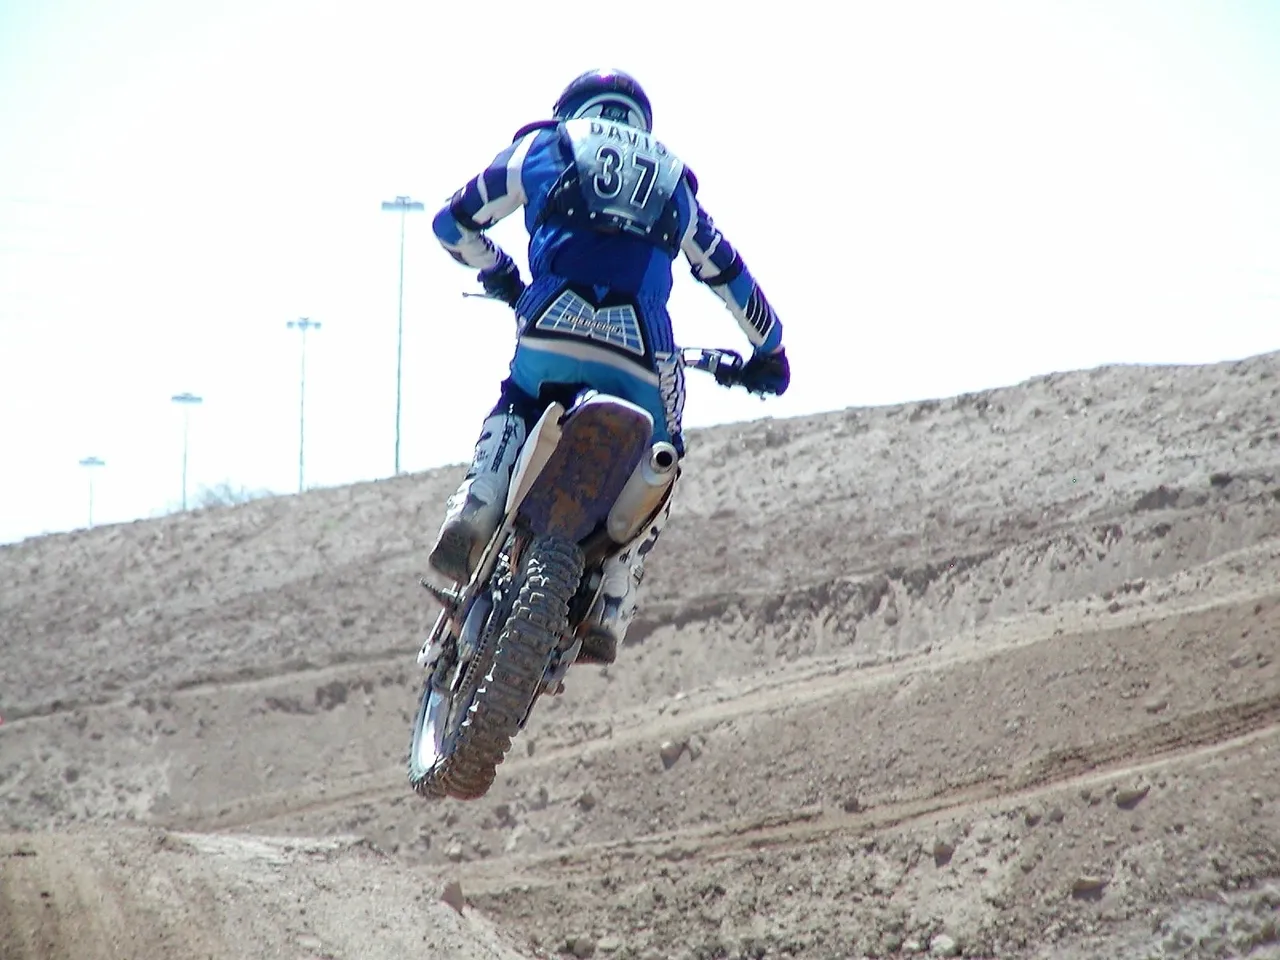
point(1186, 740)
point(1176, 735)
point(209, 684)
point(809, 685)
point(769, 694)
point(809, 682)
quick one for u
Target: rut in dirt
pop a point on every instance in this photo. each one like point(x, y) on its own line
point(1178, 739)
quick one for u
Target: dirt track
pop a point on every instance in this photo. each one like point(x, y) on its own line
point(996, 675)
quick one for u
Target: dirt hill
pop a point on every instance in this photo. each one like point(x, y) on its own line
point(995, 675)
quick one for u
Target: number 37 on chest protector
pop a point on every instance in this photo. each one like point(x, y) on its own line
point(624, 172)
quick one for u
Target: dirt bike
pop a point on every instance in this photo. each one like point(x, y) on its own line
point(586, 481)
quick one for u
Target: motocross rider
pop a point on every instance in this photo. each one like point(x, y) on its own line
point(607, 208)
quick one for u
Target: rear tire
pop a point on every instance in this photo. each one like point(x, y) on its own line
point(552, 569)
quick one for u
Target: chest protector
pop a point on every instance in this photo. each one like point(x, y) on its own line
point(620, 180)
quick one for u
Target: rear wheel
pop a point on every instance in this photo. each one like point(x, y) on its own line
point(458, 755)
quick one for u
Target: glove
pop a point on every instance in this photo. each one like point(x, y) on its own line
point(766, 373)
point(502, 281)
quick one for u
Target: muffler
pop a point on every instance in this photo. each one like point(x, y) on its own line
point(643, 493)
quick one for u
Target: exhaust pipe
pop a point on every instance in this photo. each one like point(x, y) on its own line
point(644, 492)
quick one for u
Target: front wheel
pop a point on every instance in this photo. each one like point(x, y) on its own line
point(462, 762)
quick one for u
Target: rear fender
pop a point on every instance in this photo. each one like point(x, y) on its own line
point(601, 441)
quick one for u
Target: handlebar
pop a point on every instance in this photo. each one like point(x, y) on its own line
point(725, 365)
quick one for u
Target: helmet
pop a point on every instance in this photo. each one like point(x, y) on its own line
point(611, 94)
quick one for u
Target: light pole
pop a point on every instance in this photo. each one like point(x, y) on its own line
point(304, 324)
point(90, 463)
point(186, 401)
point(402, 205)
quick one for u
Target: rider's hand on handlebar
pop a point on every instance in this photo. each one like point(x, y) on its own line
point(502, 281)
point(766, 373)
point(728, 371)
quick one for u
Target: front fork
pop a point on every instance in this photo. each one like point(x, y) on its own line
point(463, 617)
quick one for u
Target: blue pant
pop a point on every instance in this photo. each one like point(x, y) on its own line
point(542, 374)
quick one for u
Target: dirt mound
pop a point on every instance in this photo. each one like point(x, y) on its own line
point(155, 894)
point(993, 675)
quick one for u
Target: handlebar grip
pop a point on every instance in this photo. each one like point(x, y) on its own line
point(726, 374)
point(724, 365)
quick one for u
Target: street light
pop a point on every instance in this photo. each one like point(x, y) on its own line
point(401, 205)
point(91, 462)
point(304, 324)
point(186, 401)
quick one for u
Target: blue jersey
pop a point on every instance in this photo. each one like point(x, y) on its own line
point(608, 209)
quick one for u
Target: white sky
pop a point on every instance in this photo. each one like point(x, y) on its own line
point(937, 197)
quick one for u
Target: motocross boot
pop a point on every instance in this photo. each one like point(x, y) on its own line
point(615, 607)
point(473, 512)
